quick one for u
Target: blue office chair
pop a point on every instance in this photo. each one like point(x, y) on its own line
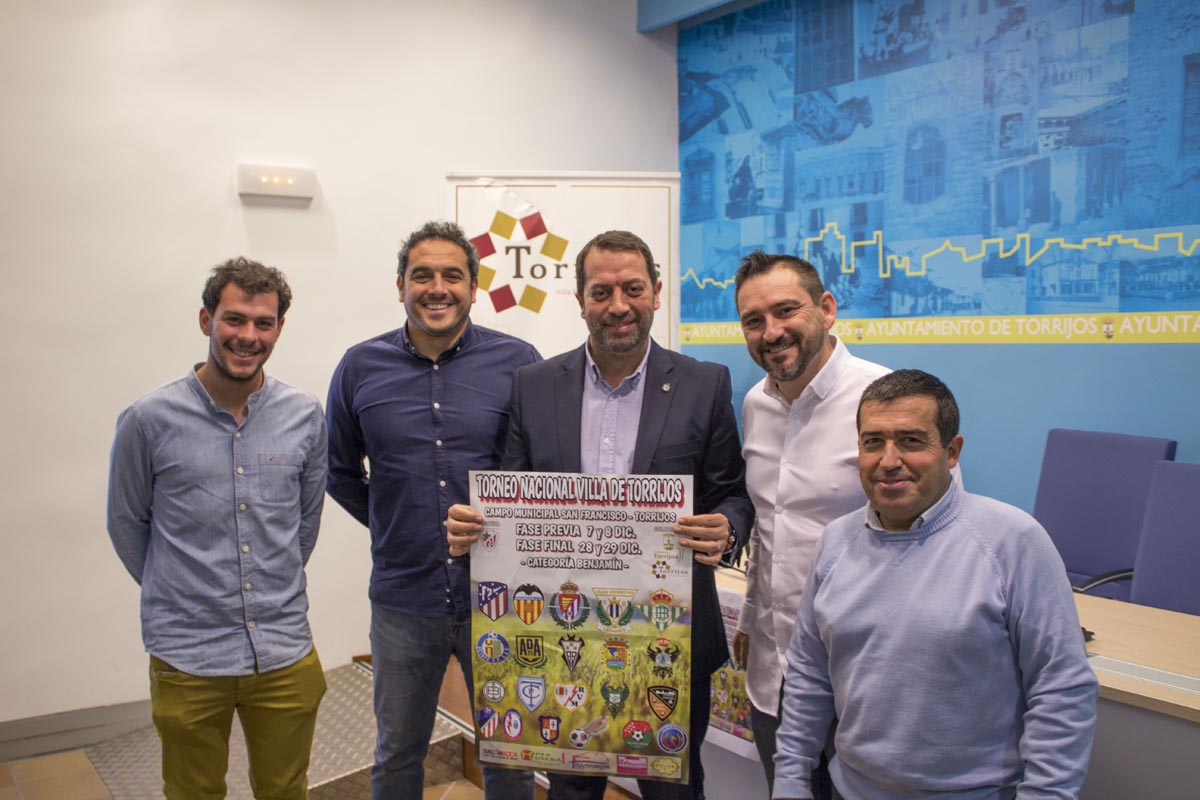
point(1166, 573)
point(1091, 498)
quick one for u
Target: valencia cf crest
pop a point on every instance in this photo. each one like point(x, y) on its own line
point(662, 700)
point(569, 607)
point(572, 647)
point(493, 599)
point(528, 601)
point(550, 727)
point(530, 651)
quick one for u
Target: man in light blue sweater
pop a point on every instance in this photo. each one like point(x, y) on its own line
point(938, 626)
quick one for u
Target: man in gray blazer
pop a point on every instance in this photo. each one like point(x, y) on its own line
point(621, 404)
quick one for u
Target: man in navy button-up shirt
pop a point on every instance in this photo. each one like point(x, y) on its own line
point(215, 495)
point(421, 405)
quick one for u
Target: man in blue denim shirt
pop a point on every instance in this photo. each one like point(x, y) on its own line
point(422, 405)
point(215, 491)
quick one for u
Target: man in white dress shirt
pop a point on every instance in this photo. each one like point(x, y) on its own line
point(801, 449)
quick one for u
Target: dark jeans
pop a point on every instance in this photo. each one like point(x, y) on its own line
point(765, 727)
point(409, 654)
point(591, 787)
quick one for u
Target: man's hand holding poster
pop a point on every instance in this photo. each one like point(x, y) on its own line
point(581, 621)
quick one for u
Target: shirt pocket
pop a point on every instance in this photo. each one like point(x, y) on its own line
point(279, 476)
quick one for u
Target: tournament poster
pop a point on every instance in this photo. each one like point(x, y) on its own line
point(581, 623)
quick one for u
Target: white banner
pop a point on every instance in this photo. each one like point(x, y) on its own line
point(528, 228)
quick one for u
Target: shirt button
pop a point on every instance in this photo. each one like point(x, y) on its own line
point(442, 484)
point(777, 559)
point(240, 470)
point(778, 509)
point(449, 561)
point(237, 434)
point(437, 405)
point(245, 548)
point(435, 366)
point(438, 443)
point(250, 624)
point(247, 587)
point(241, 506)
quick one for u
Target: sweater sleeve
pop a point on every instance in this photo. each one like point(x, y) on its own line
point(808, 708)
point(1059, 685)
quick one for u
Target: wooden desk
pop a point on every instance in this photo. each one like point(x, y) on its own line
point(1149, 637)
point(1147, 734)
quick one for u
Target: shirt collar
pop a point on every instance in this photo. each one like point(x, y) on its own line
point(193, 380)
point(824, 381)
point(593, 371)
point(468, 336)
point(929, 515)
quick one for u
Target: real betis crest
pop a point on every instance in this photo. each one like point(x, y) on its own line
point(614, 609)
point(569, 607)
point(660, 611)
point(614, 696)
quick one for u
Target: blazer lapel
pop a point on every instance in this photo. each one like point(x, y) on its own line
point(568, 409)
point(657, 394)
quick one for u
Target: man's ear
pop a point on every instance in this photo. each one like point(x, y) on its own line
point(205, 321)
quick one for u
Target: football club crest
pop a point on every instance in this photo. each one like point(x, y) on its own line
point(493, 691)
point(550, 727)
point(493, 599)
point(570, 695)
point(663, 652)
point(492, 647)
point(569, 607)
point(512, 725)
point(528, 601)
point(637, 734)
point(672, 738)
point(572, 647)
point(616, 654)
point(614, 609)
point(531, 690)
point(488, 718)
point(660, 611)
point(489, 538)
point(614, 696)
point(662, 700)
point(530, 651)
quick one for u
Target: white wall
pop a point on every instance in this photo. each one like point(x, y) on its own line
point(121, 125)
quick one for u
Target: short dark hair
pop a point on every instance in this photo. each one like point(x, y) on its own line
point(758, 262)
point(622, 242)
point(914, 383)
point(249, 276)
point(447, 232)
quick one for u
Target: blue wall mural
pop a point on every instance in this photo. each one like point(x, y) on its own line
point(950, 158)
point(984, 185)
